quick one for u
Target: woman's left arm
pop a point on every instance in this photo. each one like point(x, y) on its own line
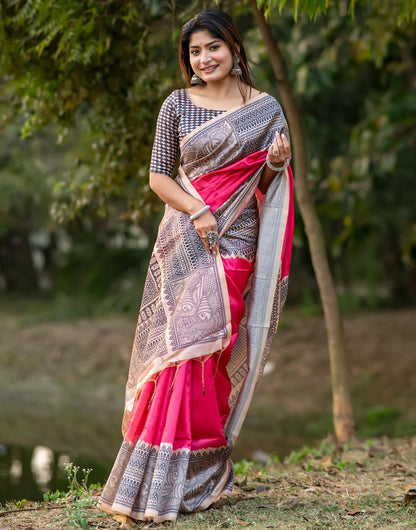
point(278, 153)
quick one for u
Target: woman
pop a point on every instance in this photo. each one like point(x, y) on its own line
point(203, 335)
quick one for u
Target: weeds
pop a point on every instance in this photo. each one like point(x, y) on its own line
point(243, 467)
point(76, 487)
point(54, 496)
point(77, 512)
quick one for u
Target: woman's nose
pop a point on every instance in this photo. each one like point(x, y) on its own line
point(205, 56)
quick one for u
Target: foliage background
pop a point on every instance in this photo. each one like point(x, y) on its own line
point(81, 85)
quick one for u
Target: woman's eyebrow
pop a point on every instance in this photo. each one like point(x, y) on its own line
point(208, 43)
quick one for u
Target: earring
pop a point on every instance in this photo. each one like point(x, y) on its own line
point(195, 80)
point(236, 70)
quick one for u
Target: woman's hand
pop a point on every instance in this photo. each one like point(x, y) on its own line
point(279, 150)
point(277, 154)
point(204, 224)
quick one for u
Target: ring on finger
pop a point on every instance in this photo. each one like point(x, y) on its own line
point(211, 238)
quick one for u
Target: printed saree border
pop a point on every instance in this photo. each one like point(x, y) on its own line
point(225, 114)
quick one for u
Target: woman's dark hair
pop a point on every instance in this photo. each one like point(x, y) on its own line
point(221, 26)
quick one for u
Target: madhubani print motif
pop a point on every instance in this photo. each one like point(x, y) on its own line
point(237, 367)
point(183, 300)
point(240, 239)
point(198, 314)
point(192, 290)
point(207, 468)
point(232, 136)
point(149, 481)
point(178, 117)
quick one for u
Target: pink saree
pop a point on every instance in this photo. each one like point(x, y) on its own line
point(206, 322)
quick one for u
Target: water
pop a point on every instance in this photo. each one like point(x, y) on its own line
point(28, 473)
point(39, 436)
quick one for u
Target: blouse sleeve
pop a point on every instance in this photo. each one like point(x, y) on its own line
point(166, 142)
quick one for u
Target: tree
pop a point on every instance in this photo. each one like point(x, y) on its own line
point(342, 407)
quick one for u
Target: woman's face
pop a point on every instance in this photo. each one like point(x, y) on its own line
point(211, 59)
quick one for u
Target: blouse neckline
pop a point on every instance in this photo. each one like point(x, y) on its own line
point(221, 110)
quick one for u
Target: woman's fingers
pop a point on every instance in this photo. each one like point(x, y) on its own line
point(279, 151)
point(286, 146)
point(207, 224)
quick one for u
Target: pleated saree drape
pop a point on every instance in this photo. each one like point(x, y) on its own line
point(206, 322)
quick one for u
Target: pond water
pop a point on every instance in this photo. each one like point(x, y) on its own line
point(37, 440)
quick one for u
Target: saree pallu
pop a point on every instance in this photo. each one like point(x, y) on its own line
point(206, 322)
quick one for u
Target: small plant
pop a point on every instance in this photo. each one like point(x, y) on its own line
point(54, 496)
point(243, 467)
point(77, 513)
point(76, 487)
point(21, 503)
point(299, 455)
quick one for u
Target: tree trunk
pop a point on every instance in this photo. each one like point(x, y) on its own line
point(342, 408)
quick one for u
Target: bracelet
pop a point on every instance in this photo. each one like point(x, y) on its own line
point(273, 168)
point(200, 212)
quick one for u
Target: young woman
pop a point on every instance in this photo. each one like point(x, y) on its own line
point(216, 283)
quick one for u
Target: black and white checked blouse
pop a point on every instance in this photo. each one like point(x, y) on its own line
point(178, 116)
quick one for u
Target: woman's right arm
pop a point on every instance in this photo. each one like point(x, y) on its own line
point(164, 154)
point(172, 194)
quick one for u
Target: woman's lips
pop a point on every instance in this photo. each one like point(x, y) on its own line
point(209, 69)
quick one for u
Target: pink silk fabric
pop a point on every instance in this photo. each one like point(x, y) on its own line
point(217, 186)
point(187, 404)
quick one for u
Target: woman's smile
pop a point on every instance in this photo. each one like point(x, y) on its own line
point(210, 57)
point(209, 69)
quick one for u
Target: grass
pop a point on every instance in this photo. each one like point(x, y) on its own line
point(361, 486)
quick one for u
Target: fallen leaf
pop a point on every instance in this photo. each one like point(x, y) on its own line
point(248, 487)
point(290, 504)
point(311, 489)
point(124, 520)
point(409, 494)
point(326, 461)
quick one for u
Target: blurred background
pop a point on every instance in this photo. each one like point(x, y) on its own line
point(81, 85)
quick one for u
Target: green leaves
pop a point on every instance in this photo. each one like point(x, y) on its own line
point(313, 8)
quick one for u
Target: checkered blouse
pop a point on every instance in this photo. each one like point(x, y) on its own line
point(178, 116)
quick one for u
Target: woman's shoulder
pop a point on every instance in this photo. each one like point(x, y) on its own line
point(175, 100)
point(176, 96)
point(271, 102)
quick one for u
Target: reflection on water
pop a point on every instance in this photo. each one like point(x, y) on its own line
point(40, 432)
point(28, 473)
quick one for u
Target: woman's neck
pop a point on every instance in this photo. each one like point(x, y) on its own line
point(221, 95)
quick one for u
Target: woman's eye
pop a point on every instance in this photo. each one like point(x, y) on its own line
point(215, 47)
point(194, 52)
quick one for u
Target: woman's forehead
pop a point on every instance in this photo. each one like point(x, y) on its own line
point(202, 37)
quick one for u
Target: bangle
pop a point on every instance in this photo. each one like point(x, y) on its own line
point(273, 168)
point(200, 212)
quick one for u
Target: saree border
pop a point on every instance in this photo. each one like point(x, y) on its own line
point(226, 113)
